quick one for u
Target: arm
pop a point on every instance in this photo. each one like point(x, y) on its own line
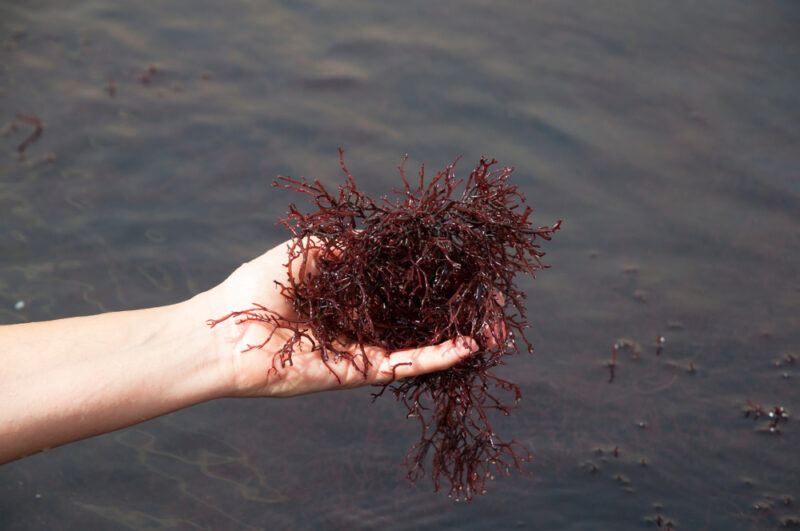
point(69, 379)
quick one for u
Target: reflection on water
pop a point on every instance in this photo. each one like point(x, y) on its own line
point(665, 134)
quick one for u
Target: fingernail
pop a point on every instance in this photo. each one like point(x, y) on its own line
point(469, 345)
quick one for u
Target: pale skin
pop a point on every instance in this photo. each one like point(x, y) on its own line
point(69, 379)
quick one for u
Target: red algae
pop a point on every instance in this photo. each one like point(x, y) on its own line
point(38, 129)
point(436, 261)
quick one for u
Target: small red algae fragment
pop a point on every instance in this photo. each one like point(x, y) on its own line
point(36, 123)
point(147, 75)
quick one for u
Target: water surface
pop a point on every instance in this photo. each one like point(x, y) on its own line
point(664, 134)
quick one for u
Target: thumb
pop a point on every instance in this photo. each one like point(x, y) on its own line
point(424, 360)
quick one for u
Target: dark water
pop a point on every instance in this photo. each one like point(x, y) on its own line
point(666, 134)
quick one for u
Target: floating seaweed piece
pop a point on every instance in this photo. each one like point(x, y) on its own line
point(786, 359)
point(147, 75)
point(776, 415)
point(622, 343)
point(38, 126)
point(437, 261)
point(612, 364)
point(753, 410)
point(660, 340)
point(660, 522)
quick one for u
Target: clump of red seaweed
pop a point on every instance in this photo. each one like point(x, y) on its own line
point(437, 261)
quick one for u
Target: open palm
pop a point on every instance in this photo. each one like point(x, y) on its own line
point(252, 345)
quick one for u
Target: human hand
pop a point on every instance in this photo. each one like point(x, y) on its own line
point(248, 347)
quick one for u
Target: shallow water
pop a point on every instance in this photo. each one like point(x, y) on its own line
point(664, 134)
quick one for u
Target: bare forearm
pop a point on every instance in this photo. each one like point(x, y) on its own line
point(69, 379)
point(65, 380)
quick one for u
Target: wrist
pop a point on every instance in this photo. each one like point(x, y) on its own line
point(208, 348)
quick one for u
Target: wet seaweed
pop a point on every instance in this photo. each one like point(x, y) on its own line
point(437, 260)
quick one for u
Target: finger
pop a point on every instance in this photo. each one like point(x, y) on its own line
point(302, 255)
point(495, 335)
point(495, 332)
point(413, 362)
